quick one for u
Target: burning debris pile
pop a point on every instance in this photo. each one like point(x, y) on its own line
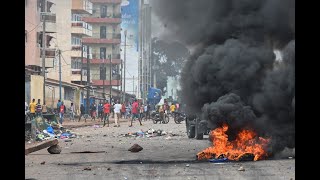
point(246, 144)
point(234, 43)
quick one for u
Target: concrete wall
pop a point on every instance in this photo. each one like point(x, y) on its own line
point(36, 87)
point(32, 19)
point(62, 39)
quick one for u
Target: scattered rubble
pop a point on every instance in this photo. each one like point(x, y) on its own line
point(135, 148)
point(148, 133)
point(43, 162)
point(38, 146)
point(87, 169)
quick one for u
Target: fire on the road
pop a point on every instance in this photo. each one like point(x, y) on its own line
point(246, 142)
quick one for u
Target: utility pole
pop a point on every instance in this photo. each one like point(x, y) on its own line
point(81, 63)
point(88, 80)
point(133, 85)
point(110, 77)
point(60, 85)
point(44, 49)
point(104, 76)
point(124, 63)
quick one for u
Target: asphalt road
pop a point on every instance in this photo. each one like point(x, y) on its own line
point(162, 157)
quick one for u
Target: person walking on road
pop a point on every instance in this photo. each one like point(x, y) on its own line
point(82, 112)
point(72, 111)
point(62, 111)
point(117, 112)
point(58, 106)
point(100, 111)
point(134, 112)
point(123, 110)
point(32, 108)
point(106, 111)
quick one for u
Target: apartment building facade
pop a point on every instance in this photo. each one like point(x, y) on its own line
point(105, 65)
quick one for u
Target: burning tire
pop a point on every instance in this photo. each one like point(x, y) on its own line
point(191, 132)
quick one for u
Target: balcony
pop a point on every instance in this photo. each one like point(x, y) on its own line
point(106, 82)
point(78, 27)
point(107, 1)
point(82, 6)
point(107, 35)
point(116, 19)
point(48, 16)
point(50, 53)
point(76, 75)
point(100, 41)
point(100, 61)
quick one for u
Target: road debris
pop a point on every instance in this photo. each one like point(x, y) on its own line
point(87, 169)
point(109, 169)
point(188, 165)
point(241, 169)
point(38, 146)
point(135, 148)
point(56, 149)
point(43, 162)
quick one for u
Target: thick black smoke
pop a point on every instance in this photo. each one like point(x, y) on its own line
point(233, 75)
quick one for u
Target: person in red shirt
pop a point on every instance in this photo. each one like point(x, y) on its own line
point(123, 110)
point(106, 113)
point(134, 111)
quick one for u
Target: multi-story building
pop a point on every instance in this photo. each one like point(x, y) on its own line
point(105, 43)
point(79, 30)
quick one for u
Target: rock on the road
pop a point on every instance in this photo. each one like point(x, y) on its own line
point(56, 149)
point(135, 148)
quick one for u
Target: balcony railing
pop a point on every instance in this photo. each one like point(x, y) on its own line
point(50, 53)
point(98, 56)
point(107, 1)
point(49, 17)
point(107, 35)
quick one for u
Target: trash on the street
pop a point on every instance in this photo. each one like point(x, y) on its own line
point(219, 160)
point(135, 148)
point(188, 165)
point(241, 169)
point(87, 169)
point(43, 162)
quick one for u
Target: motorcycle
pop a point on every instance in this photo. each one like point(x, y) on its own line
point(179, 117)
point(155, 116)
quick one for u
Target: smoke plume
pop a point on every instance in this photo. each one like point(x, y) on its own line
point(233, 76)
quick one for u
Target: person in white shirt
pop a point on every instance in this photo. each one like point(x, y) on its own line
point(117, 109)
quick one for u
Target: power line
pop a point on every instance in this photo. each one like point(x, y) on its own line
point(29, 22)
point(33, 28)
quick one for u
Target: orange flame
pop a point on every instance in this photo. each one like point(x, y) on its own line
point(246, 142)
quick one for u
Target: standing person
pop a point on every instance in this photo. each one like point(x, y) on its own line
point(128, 110)
point(100, 111)
point(94, 111)
point(82, 112)
point(72, 111)
point(134, 112)
point(123, 110)
point(177, 107)
point(62, 110)
point(106, 111)
point(32, 108)
point(44, 108)
point(148, 111)
point(112, 109)
point(117, 110)
point(172, 110)
point(161, 112)
point(141, 111)
point(58, 106)
point(38, 108)
point(145, 109)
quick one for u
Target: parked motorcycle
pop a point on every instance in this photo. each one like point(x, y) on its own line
point(155, 116)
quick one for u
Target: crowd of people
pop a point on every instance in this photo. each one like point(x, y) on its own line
point(134, 110)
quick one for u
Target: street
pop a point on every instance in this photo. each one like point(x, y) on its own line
point(162, 157)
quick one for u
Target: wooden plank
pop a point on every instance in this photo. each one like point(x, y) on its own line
point(36, 147)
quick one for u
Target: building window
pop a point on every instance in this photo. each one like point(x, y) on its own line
point(75, 63)
point(103, 72)
point(103, 32)
point(103, 52)
point(68, 93)
point(75, 17)
point(103, 11)
point(75, 41)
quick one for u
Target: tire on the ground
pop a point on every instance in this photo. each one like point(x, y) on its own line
point(198, 135)
point(191, 131)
